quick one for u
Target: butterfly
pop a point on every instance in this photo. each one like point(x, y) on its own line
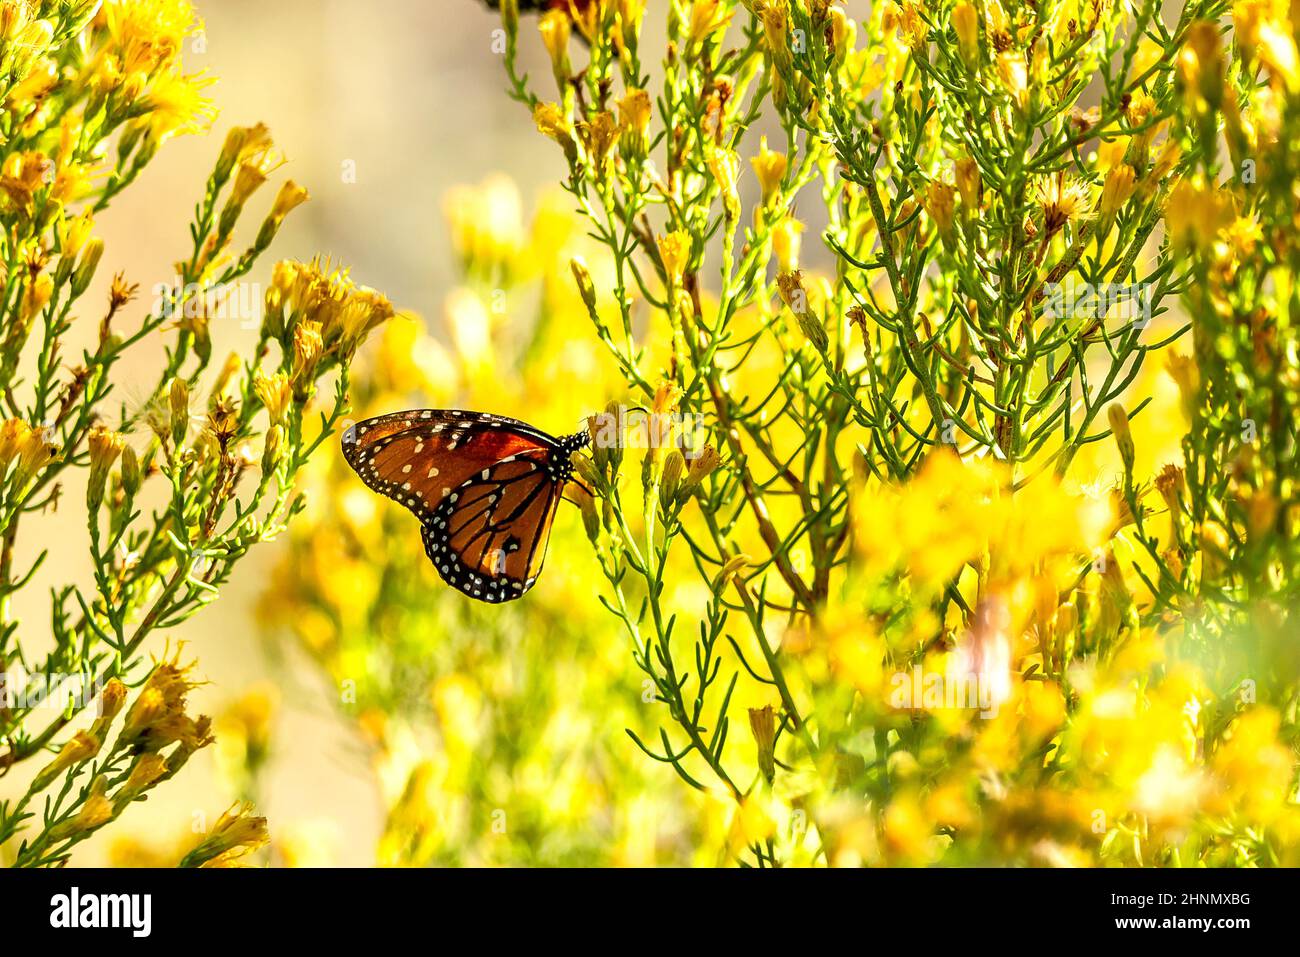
point(484, 487)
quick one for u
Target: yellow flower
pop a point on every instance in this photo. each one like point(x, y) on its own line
point(552, 121)
point(23, 175)
point(843, 34)
point(1014, 76)
point(252, 173)
point(73, 233)
point(703, 464)
point(487, 222)
point(915, 30)
point(241, 143)
point(969, 184)
point(163, 696)
point(708, 18)
point(555, 27)
point(908, 834)
point(308, 347)
point(769, 167)
point(751, 824)
point(146, 35)
point(237, 832)
point(276, 393)
point(634, 121)
point(939, 204)
point(1116, 190)
point(95, 812)
point(724, 164)
point(762, 724)
point(598, 136)
point(1254, 766)
point(244, 729)
point(471, 330)
point(34, 454)
point(80, 747)
point(105, 446)
point(36, 296)
point(1062, 200)
point(174, 104)
point(289, 198)
point(786, 242)
point(1200, 63)
point(674, 253)
point(965, 22)
point(13, 438)
point(38, 83)
point(146, 771)
point(1195, 213)
point(776, 29)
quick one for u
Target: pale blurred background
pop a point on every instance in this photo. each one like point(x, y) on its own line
point(410, 92)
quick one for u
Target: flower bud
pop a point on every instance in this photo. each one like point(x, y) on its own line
point(965, 23)
point(1067, 623)
point(510, 17)
point(81, 747)
point(703, 465)
point(674, 252)
point(725, 167)
point(241, 141)
point(236, 829)
point(556, 27)
point(939, 204)
point(671, 480)
point(178, 397)
point(590, 516)
point(605, 430)
point(105, 446)
point(1216, 549)
point(272, 450)
point(729, 570)
point(843, 34)
point(598, 135)
point(95, 812)
point(290, 197)
point(146, 771)
point(36, 296)
point(769, 167)
point(634, 123)
point(35, 453)
point(786, 243)
point(275, 392)
point(308, 347)
point(585, 287)
point(1119, 427)
point(762, 725)
point(1116, 190)
point(132, 478)
point(969, 185)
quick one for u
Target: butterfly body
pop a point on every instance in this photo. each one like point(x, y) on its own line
point(485, 488)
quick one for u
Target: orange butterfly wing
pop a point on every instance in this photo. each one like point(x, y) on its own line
point(488, 538)
point(485, 488)
point(418, 458)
